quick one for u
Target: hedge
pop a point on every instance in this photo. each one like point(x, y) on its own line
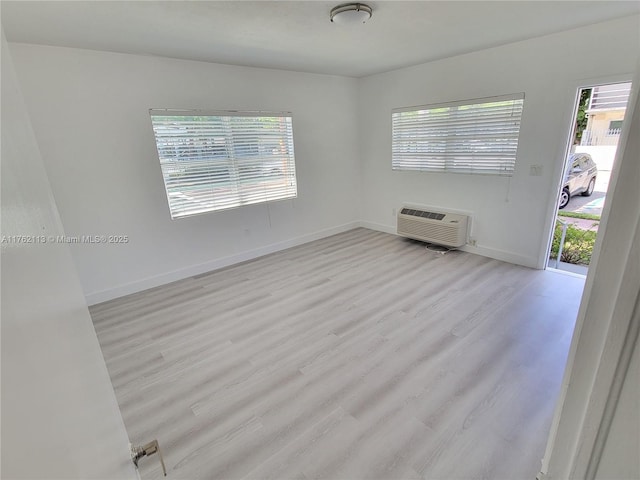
point(578, 244)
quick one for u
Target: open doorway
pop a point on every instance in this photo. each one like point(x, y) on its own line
point(600, 112)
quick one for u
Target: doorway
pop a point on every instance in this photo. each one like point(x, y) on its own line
point(597, 123)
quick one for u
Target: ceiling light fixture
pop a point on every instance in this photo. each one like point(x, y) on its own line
point(351, 13)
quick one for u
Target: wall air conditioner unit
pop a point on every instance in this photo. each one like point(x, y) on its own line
point(441, 228)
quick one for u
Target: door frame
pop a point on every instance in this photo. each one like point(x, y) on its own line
point(573, 92)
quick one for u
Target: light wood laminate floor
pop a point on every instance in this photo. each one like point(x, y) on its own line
point(362, 355)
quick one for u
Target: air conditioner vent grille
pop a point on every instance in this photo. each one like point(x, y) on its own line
point(443, 228)
point(423, 214)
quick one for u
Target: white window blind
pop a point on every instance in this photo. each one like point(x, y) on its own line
point(219, 160)
point(472, 136)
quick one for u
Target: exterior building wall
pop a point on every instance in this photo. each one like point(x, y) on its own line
point(599, 131)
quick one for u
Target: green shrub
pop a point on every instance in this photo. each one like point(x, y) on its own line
point(578, 244)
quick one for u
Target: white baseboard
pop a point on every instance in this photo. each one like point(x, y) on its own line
point(502, 255)
point(94, 298)
point(378, 227)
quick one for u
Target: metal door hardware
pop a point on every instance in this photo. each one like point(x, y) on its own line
point(137, 452)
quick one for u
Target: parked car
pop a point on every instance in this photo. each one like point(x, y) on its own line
point(581, 178)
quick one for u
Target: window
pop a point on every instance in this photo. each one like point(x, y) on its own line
point(472, 136)
point(614, 127)
point(220, 160)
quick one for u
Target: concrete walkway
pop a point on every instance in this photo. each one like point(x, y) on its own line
point(581, 223)
point(568, 267)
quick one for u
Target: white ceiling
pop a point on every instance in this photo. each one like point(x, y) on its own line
point(297, 35)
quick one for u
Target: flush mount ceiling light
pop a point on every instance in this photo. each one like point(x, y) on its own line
point(351, 13)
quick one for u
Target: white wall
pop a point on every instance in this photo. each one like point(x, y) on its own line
point(512, 216)
point(60, 418)
point(620, 457)
point(90, 115)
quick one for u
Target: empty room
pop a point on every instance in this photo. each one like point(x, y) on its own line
point(311, 240)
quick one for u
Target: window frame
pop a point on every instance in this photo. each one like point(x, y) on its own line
point(216, 160)
point(615, 127)
point(450, 141)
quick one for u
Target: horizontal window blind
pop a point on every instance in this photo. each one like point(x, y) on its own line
point(473, 136)
point(220, 160)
